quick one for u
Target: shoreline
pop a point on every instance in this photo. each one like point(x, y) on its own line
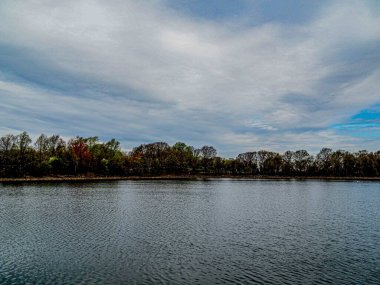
point(178, 177)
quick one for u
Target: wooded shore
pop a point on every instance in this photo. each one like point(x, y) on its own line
point(90, 159)
point(177, 177)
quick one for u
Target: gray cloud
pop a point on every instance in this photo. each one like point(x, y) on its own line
point(140, 72)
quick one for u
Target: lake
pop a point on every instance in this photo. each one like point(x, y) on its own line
point(191, 232)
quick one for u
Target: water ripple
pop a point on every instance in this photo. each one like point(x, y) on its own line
point(176, 232)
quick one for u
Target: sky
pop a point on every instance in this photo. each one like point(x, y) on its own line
point(240, 75)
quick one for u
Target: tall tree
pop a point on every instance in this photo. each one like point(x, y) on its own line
point(80, 154)
point(323, 161)
point(208, 153)
point(302, 161)
point(23, 142)
point(7, 144)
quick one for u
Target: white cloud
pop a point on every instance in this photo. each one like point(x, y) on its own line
point(140, 68)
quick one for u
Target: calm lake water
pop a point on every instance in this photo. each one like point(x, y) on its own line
point(190, 232)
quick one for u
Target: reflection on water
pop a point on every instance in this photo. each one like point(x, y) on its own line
point(183, 232)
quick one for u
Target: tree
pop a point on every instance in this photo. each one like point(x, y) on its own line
point(151, 158)
point(42, 147)
point(80, 154)
point(56, 145)
point(302, 161)
point(366, 163)
point(249, 162)
point(288, 162)
point(114, 157)
point(7, 144)
point(269, 162)
point(22, 145)
point(323, 161)
point(181, 159)
point(337, 163)
point(51, 155)
point(349, 164)
point(208, 153)
point(262, 156)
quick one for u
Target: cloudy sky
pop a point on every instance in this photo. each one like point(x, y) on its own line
point(239, 75)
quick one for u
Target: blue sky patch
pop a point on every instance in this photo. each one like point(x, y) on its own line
point(365, 124)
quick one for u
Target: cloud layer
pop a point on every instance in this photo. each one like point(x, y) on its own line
point(144, 71)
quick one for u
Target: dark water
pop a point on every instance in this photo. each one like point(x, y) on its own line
point(210, 232)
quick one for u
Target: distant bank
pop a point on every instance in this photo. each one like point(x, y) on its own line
point(88, 157)
point(177, 177)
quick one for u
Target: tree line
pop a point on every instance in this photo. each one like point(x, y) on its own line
point(51, 155)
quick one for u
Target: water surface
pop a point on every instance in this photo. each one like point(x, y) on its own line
point(189, 232)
